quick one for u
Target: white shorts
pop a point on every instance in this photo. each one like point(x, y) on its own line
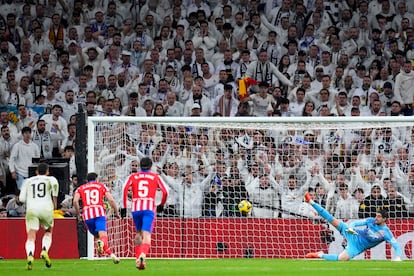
point(34, 218)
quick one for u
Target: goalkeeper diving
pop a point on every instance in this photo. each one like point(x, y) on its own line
point(359, 239)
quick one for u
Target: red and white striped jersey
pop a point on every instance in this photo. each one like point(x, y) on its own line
point(92, 195)
point(144, 187)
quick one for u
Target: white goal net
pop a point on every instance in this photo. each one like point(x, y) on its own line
point(352, 166)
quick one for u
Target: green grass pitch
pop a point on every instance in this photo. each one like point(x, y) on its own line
point(250, 267)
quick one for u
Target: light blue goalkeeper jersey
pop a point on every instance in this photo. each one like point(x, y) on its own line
point(371, 235)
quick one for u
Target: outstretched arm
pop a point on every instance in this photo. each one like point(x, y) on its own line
point(354, 224)
point(266, 23)
point(389, 237)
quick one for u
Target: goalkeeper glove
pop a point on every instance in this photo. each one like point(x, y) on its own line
point(160, 208)
point(352, 231)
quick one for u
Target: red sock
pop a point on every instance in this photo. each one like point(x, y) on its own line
point(137, 249)
point(145, 248)
point(106, 248)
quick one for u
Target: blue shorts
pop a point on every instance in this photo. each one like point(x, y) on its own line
point(353, 247)
point(96, 225)
point(144, 220)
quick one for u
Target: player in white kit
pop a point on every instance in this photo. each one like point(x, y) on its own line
point(40, 195)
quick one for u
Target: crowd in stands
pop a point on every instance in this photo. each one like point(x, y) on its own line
point(187, 58)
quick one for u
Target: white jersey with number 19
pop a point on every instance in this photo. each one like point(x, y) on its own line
point(37, 192)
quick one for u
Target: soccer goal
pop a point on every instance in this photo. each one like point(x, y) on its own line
point(351, 165)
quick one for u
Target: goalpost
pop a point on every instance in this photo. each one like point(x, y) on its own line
point(210, 164)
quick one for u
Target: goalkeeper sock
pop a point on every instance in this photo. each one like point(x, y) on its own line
point(330, 257)
point(145, 248)
point(30, 247)
point(46, 241)
point(106, 248)
point(322, 212)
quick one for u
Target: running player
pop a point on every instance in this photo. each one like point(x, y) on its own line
point(92, 194)
point(144, 187)
point(40, 195)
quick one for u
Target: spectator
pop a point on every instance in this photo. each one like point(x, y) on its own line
point(225, 104)
point(160, 95)
point(14, 208)
point(69, 140)
point(173, 107)
point(69, 153)
point(359, 195)
point(372, 203)
point(200, 58)
point(228, 65)
point(190, 194)
point(171, 74)
point(130, 70)
point(149, 107)
point(6, 144)
point(342, 107)
point(21, 157)
point(398, 207)
point(308, 109)
point(284, 108)
point(324, 98)
point(16, 33)
point(365, 91)
point(57, 127)
point(347, 206)
point(233, 192)
point(291, 196)
point(12, 97)
point(133, 109)
point(264, 71)
point(212, 201)
point(50, 98)
point(198, 98)
point(403, 91)
point(264, 193)
point(67, 208)
point(23, 90)
point(43, 139)
point(299, 70)
point(297, 99)
point(262, 102)
point(159, 110)
point(24, 118)
point(57, 85)
point(388, 98)
point(114, 90)
point(3, 214)
point(117, 106)
point(69, 105)
point(173, 180)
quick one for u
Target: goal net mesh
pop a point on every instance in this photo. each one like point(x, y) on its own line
point(351, 166)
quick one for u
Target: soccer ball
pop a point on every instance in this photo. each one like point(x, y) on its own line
point(245, 206)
